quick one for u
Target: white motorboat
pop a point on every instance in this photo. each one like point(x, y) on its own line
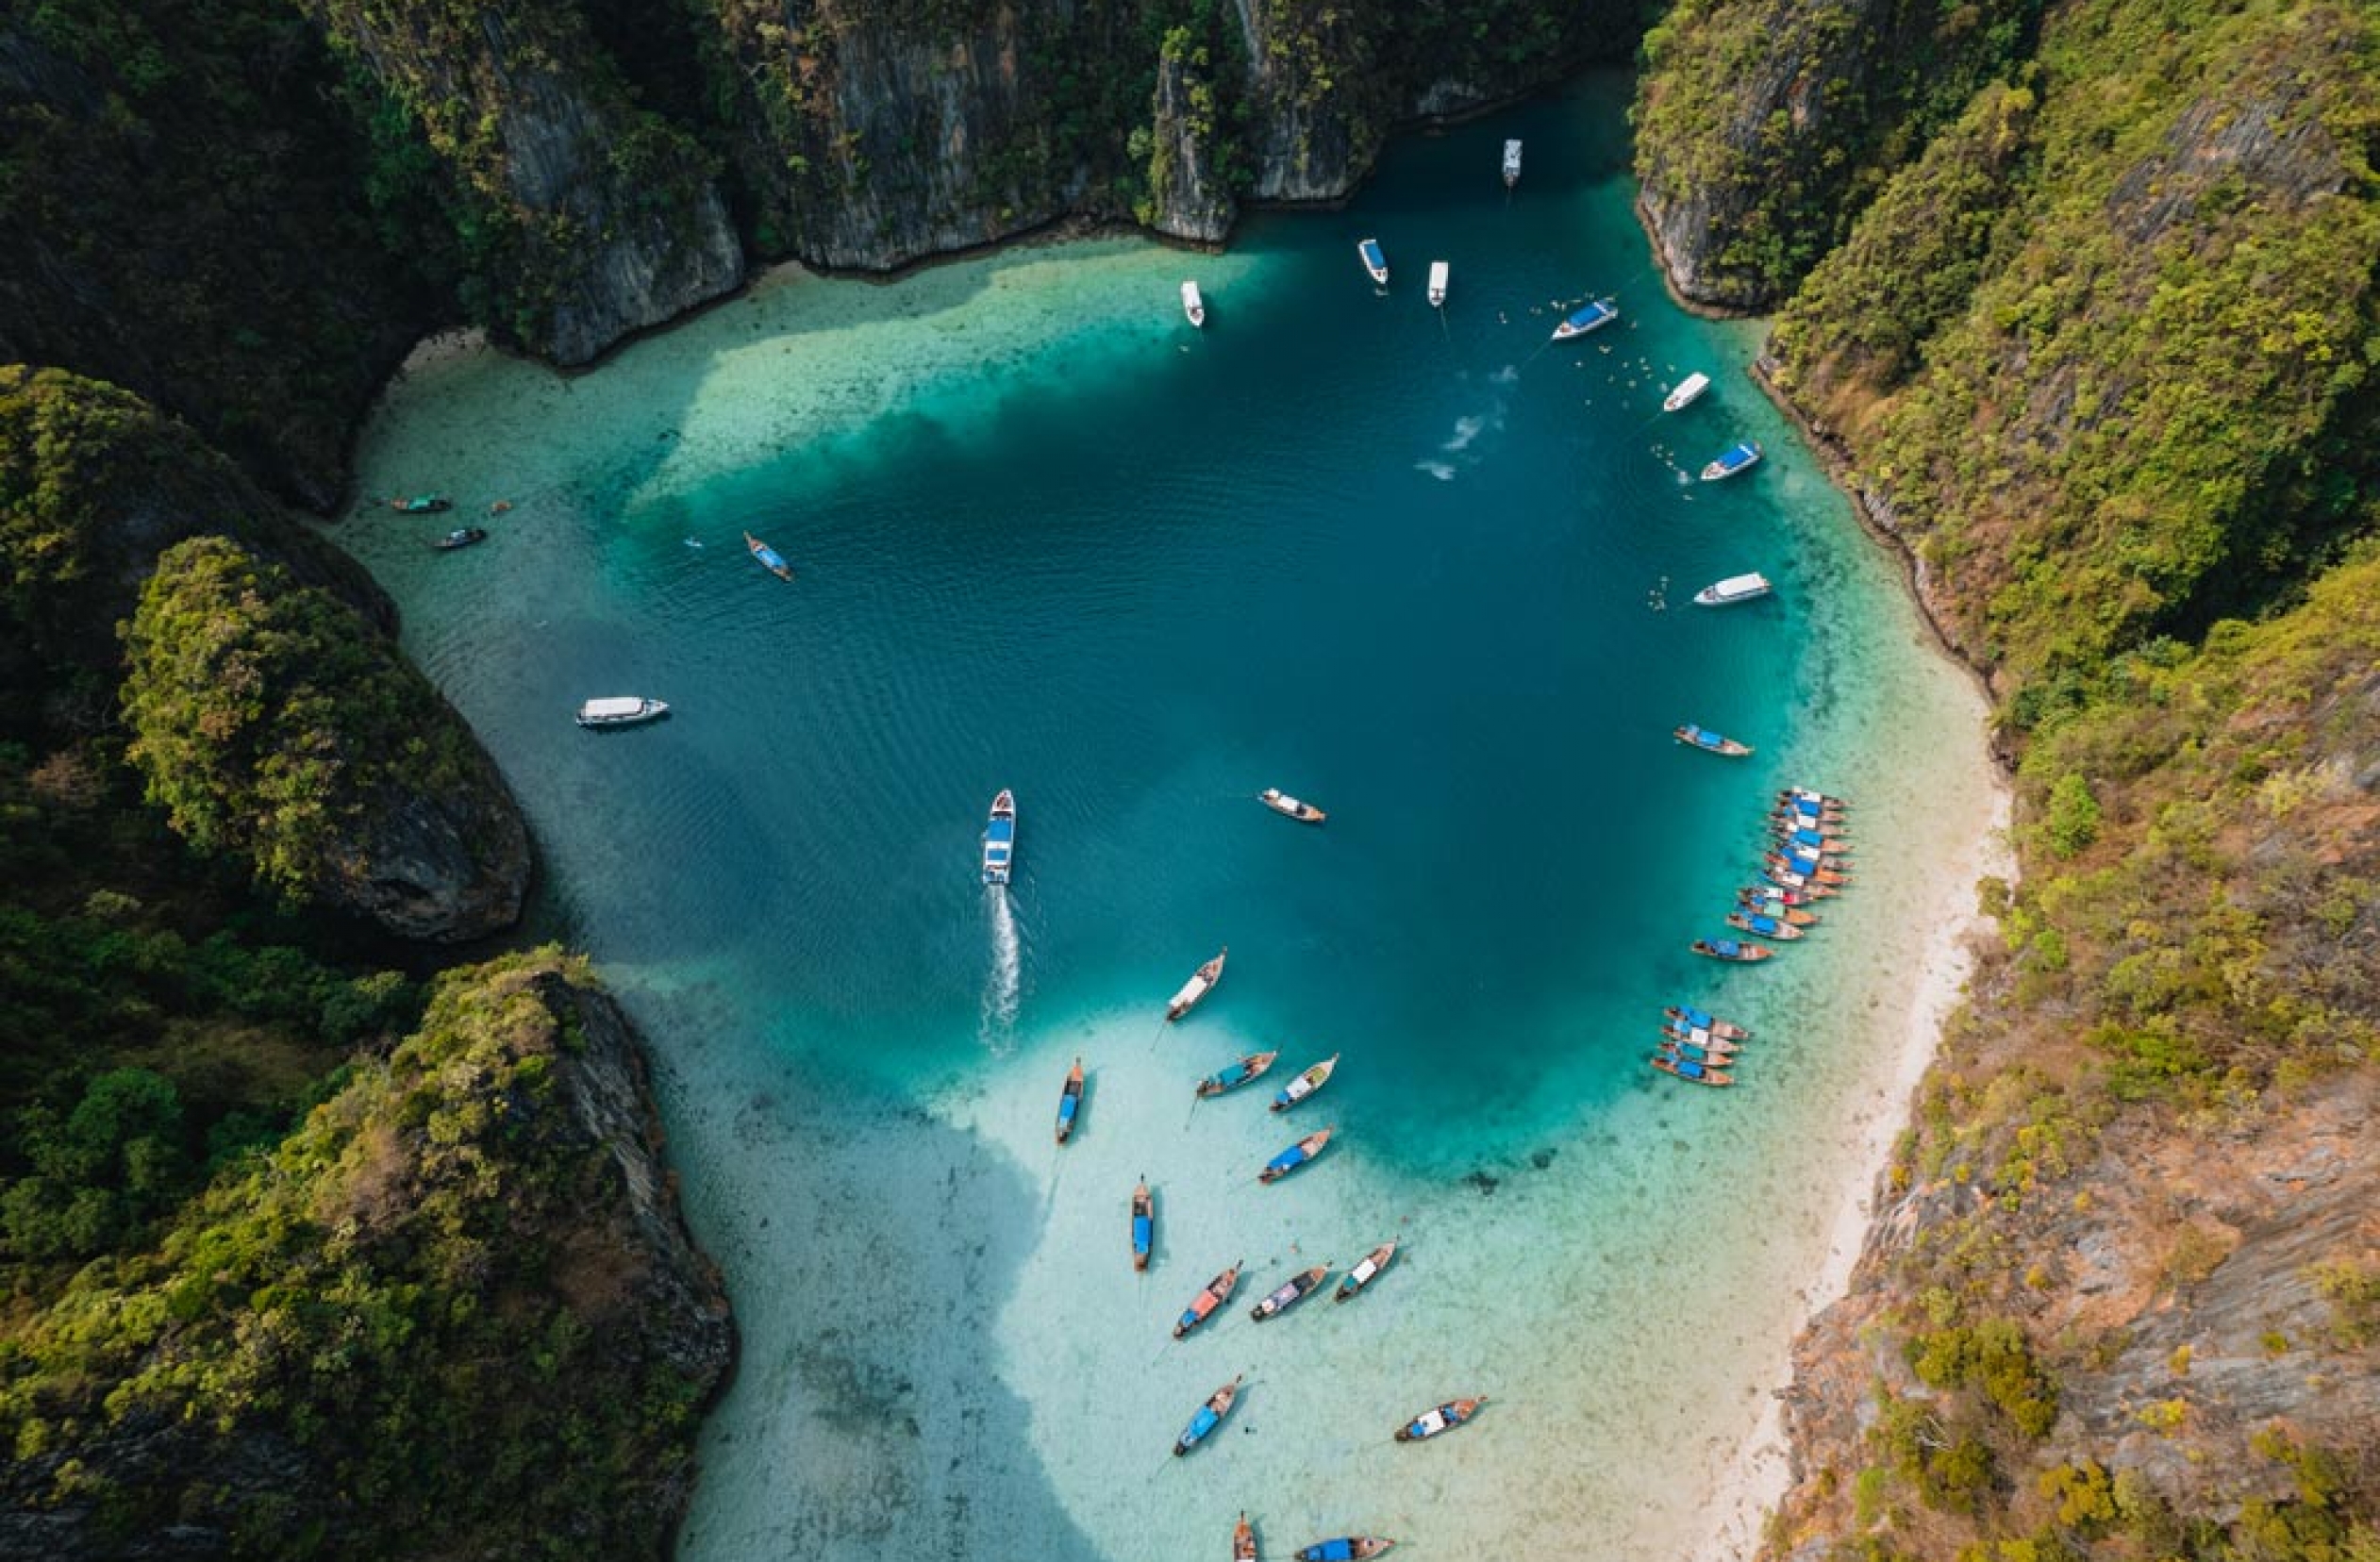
point(1689, 391)
point(1593, 317)
point(625, 711)
point(1511, 163)
point(1437, 284)
point(1193, 305)
point(1742, 588)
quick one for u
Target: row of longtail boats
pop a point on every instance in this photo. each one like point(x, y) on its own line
point(1807, 860)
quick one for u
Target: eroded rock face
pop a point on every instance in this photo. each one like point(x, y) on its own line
point(1187, 197)
point(443, 867)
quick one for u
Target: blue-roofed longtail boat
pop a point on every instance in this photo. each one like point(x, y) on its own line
point(1593, 317)
point(1800, 883)
point(1804, 796)
point(1735, 459)
point(1763, 927)
point(1695, 1019)
point(1144, 1224)
point(1210, 1415)
point(1295, 1156)
point(1720, 1054)
point(768, 557)
point(1690, 1070)
point(1290, 1292)
point(1728, 949)
point(1070, 1103)
point(1815, 869)
point(1355, 1280)
point(1203, 1306)
point(1244, 1540)
point(1347, 1548)
point(1447, 1417)
point(1000, 837)
point(1375, 259)
point(1768, 904)
point(1237, 1074)
point(1777, 894)
point(1709, 741)
point(1305, 1084)
point(1812, 841)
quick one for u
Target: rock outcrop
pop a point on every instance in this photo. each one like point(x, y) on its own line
point(1189, 194)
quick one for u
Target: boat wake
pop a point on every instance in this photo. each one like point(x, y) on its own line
point(1003, 987)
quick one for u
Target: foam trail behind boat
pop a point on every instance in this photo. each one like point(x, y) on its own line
point(1003, 988)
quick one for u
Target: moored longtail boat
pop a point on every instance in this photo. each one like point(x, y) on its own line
point(1768, 906)
point(1775, 895)
point(1290, 1292)
point(1347, 1548)
point(424, 503)
point(1690, 1070)
point(1355, 1280)
point(1700, 1040)
point(1282, 802)
point(1710, 1054)
point(1199, 985)
point(1203, 1306)
point(1810, 868)
point(1070, 1101)
point(1812, 840)
point(768, 557)
point(1244, 1540)
point(1709, 741)
point(1210, 1415)
point(1729, 949)
point(1295, 1156)
point(1445, 1418)
point(1144, 1224)
point(1801, 884)
point(1305, 1084)
point(1807, 794)
point(1763, 927)
point(1236, 1075)
point(1695, 1019)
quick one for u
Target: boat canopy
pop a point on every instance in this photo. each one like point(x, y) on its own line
point(611, 709)
point(1741, 585)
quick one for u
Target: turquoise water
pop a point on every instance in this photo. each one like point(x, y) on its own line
point(1427, 571)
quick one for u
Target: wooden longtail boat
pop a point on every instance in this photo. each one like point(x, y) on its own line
point(1347, 1548)
point(1774, 895)
point(1763, 927)
point(1709, 741)
point(1801, 884)
point(1694, 1019)
point(1203, 1306)
point(1296, 1288)
point(1813, 869)
point(426, 504)
point(1690, 1070)
point(768, 557)
point(1447, 1417)
point(461, 536)
point(1210, 1415)
point(1237, 1074)
point(1698, 1044)
point(1144, 1224)
point(1283, 804)
point(1070, 1101)
point(1355, 1280)
point(1295, 1156)
point(1769, 906)
point(1729, 949)
point(1199, 985)
point(1803, 794)
point(1244, 1540)
point(1305, 1084)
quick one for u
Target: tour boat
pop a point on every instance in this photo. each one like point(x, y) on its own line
point(768, 557)
point(1447, 1417)
point(1347, 1548)
point(1289, 1293)
point(1070, 1103)
point(1687, 393)
point(426, 504)
point(1690, 1070)
point(1355, 1280)
point(628, 710)
point(1511, 163)
point(1687, 1015)
point(1729, 949)
point(1199, 985)
point(1144, 1224)
point(1375, 259)
point(1437, 284)
point(1305, 1084)
point(1193, 305)
point(1594, 316)
point(1000, 837)
point(1703, 738)
point(1768, 906)
point(1210, 1415)
point(461, 536)
point(1295, 1156)
point(1742, 588)
point(1203, 1306)
point(1763, 927)
point(1237, 1074)
point(1244, 1540)
point(1735, 459)
point(1282, 802)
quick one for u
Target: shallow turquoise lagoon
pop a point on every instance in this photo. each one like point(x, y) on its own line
point(1426, 569)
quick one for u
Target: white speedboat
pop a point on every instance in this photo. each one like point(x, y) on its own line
point(1511, 163)
point(626, 710)
point(1689, 391)
point(1375, 259)
point(1593, 317)
point(1193, 305)
point(1000, 837)
point(1735, 459)
point(1437, 284)
point(1742, 588)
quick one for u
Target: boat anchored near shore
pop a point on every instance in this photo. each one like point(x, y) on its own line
point(1437, 284)
point(1735, 589)
point(1375, 259)
point(1687, 392)
point(624, 710)
point(1735, 459)
point(1193, 306)
point(1202, 982)
point(1593, 317)
point(768, 557)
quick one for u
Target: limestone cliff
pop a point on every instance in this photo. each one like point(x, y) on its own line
point(1190, 191)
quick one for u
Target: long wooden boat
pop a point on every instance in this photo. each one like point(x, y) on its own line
point(1210, 1415)
point(624, 710)
point(1282, 802)
point(1717, 1054)
point(1762, 926)
point(1352, 1284)
point(1375, 259)
point(422, 504)
point(1296, 1288)
point(1824, 821)
point(1237, 1074)
point(1295, 1156)
point(1144, 1224)
point(1000, 839)
point(1729, 949)
point(1813, 869)
point(768, 557)
point(1701, 1041)
point(1709, 741)
point(1445, 1418)
point(461, 536)
point(1244, 1540)
point(1070, 1101)
point(1203, 1305)
point(1808, 794)
point(1305, 1084)
point(1347, 1548)
point(1735, 459)
point(1590, 316)
point(1768, 906)
point(1801, 884)
point(1698, 1020)
point(1687, 393)
point(1793, 900)
point(1690, 1070)
point(1199, 985)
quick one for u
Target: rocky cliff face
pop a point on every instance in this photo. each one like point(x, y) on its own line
point(1190, 195)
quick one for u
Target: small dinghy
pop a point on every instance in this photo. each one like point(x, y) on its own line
point(425, 504)
point(1594, 316)
point(768, 557)
point(1295, 1156)
point(1144, 1224)
point(1000, 837)
point(1437, 284)
point(1690, 1070)
point(1306, 1084)
point(1193, 305)
point(1762, 925)
point(1070, 1101)
point(1237, 1074)
point(1447, 1417)
point(1283, 804)
point(1735, 589)
point(1244, 1540)
point(1347, 1548)
point(1511, 163)
point(1203, 1307)
point(1289, 1293)
point(1753, 901)
point(1687, 393)
point(1199, 985)
point(1353, 1283)
point(1709, 741)
point(1729, 949)
point(1375, 259)
point(461, 536)
point(1210, 1415)
point(1698, 1020)
point(1735, 459)
point(626, 710)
